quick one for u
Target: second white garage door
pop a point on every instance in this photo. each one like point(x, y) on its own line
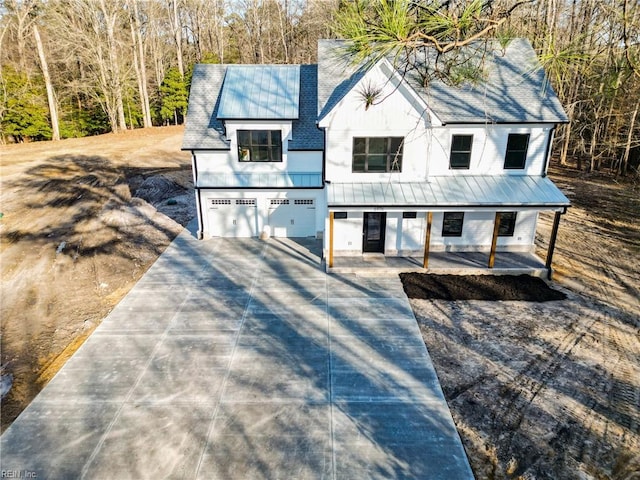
point(292, 217)
point(232, 217)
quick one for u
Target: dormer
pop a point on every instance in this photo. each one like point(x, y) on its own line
point(258, 104)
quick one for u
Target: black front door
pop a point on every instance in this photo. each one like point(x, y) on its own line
point(373, 233)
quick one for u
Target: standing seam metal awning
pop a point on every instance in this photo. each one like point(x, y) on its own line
point(451, 191)
point(259, 180)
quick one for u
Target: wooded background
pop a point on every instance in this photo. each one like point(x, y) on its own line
point(71, 68)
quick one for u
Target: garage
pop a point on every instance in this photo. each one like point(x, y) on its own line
point(232, 217)
point(290, 217)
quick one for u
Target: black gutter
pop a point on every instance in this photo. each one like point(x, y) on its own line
point(206, 149)
point(259, 188)
point(499, 206)
point(505, 123)
point(195, 177)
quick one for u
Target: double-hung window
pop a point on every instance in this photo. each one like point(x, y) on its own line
point(516, 156)
point(452, 224)
point(259, 146)
point(507, 224)
point(460, 157)
point(377, 154)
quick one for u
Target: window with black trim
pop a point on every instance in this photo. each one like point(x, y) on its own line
point(460, 157)
point(377, 154)
point(516, 156)
point(259, 145)
point(507, 224)
point(452, 224)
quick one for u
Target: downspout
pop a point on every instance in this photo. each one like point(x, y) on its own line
point(326, 195)
point(194, 168)
point(547, 153)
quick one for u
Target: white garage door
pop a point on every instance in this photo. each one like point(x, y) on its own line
point(232, 217)
point(292, 217)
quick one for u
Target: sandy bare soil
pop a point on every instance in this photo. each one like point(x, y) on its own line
point(75, 238)
point(552, 390)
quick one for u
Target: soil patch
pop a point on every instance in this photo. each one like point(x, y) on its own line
point(82, 220)
point(478, 287)
point(539, 390)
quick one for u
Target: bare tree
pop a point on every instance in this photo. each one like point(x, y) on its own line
point(51, 98)
point(139, 61)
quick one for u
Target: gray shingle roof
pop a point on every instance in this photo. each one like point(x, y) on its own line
point(204, 128)
point(260, 92)
point(306, 135)
point(514, 90)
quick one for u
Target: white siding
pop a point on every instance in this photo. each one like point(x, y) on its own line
point(308, 161)
point(397, 114)
point(226, 161)
point(404, 236)
point(347, 234)
point(477, 232)
point(488, 149)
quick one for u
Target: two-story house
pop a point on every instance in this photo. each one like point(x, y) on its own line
point(372, 160)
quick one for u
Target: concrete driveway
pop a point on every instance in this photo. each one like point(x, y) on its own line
point(242, 359)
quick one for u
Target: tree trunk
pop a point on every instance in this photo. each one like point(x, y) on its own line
point(565, 140)
point(110, 20)
point(177, 33)
point(624, 162)
point(51, 98)
point(144, 93)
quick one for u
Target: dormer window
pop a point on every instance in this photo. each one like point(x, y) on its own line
point(516, 156)
point(259, 145)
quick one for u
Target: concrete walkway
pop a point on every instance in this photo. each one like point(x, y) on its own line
point(244, 360)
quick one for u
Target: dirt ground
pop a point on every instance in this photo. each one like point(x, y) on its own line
point(526, 288)
point(552, 390)
point(82, 220)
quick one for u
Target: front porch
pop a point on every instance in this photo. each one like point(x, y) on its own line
point(452, 263)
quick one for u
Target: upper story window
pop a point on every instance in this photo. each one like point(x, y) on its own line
point(377, 154)
point(452, 224)
point(259, 146)
point(460, 151)
point(507, 224)
point(516, 155)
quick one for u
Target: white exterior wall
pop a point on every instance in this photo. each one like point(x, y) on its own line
point(399, 114)
point(263, 198)
point(477, 232)
point(226, 161)
point(488, 149)
point(405, 236)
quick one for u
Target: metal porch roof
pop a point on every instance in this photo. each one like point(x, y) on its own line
point(451, 191)
point(259, 180)
point(260, 92)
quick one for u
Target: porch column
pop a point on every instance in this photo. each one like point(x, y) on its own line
point(427, 240)
point(494, 240)
point(552, 242)
point(330, 239)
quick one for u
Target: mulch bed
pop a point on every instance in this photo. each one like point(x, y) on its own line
point(478, 287)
